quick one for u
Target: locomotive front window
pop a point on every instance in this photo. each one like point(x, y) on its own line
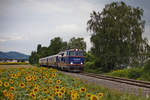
point(72, 53)
point(76, 53)
point(80, 53)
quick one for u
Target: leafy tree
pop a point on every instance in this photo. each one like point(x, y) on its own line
point(43, 52)
point(78, 43)
point(33, 59)
point(56, 45)
point(38, 48)
point(117, 35)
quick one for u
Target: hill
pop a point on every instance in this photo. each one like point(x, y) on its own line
point(13, 55)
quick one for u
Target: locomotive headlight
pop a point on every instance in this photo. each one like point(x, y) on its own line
point(71, 62)
point(81, 63)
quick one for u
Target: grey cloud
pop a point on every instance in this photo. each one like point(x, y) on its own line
point(38, 21)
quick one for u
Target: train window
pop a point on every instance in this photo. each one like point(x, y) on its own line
point(80, 53)
point(76, 53)
point(67, 53)
point(72, 53)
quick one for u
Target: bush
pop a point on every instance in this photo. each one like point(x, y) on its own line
point(91, 68)
point(145, 77)
point(132, 73)
point(135, 73)
point(119, 73)
point(89, 65)
point(147, 66)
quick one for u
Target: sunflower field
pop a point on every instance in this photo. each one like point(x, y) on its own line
point(41, 84)
point(50, 84)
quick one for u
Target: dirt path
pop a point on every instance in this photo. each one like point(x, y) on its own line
point(16, 66)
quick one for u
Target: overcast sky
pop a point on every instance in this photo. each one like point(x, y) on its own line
point(26, 23)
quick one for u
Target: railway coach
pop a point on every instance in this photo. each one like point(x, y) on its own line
point(69, 60)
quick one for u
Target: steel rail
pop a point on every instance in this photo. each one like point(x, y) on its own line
point(118, 79)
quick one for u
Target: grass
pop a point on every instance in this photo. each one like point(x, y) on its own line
point(49, 84)
point(132, 73)
point(137, 73)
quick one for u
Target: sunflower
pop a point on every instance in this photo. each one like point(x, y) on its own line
point(6, 84)
point(94, 97)
point(41, 98)
point(1, 83)
point(5, 92)
point(50, 98)
point(57, 86)
point(22, 85)
point(46, 75)
point(100, 95)
point(36, 85)
point(14, 76)
point(34, 78)
point(11, 81)
point(58, 81)
point(82, 89)
point(10, 96)
point(12, 89)
point(56, 90)
point(45, 90)
point(74, 96)
point(33, 95)
point(88, 95)
point(32, 84)
point(53, 75)
point(28, 78)
point(62, 90)
point(60, 94)
point(35, 90)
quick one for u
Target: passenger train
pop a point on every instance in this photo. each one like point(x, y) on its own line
point(68, 60)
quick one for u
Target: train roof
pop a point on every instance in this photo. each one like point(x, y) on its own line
point(74, 50)
point(70, 50)
point(52, 56)
point(61, 53)
point(48, 57)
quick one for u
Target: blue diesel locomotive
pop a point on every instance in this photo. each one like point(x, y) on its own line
point(69, 60)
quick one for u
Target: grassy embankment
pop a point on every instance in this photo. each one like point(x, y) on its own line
point(43, 83)
point(138, 73)
point(132, 73)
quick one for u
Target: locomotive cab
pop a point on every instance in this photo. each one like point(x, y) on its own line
point(72, 60)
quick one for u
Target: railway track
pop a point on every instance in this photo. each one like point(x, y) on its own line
point(142, 84)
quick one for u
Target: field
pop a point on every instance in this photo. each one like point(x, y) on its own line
point(13, 63)
point(24, 82)
point(16, 66)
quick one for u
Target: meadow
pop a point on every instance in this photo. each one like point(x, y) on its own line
point(41, 83)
